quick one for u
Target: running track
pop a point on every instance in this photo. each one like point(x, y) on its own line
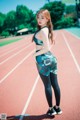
point(21, 89)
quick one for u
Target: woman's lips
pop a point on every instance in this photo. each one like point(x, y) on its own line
point(39, 22)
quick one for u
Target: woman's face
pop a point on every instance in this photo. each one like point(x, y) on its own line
point(41, 19)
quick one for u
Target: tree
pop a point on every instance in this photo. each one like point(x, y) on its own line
point(22, 15)
point(10, 21)
point(65, 23)
point(2, 18)
point(21, 18)
point(25, 16)
point(70, 9)
point(56, 10)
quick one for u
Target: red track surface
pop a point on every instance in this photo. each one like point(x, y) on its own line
point(21, 89)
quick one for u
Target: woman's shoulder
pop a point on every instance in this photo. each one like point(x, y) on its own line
point(45, 31)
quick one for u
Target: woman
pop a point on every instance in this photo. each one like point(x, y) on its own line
point(45, 61)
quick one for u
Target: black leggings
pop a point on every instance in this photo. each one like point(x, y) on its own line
point(51, 81)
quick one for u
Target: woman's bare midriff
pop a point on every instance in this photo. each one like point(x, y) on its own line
point(38, 47)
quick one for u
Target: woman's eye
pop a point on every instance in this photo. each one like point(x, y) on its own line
point(42, 18)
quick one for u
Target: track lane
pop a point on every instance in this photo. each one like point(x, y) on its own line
point(12, 55)
point(8, 47)
point(12, 64)
point(69, 80)
point(74, 44)
point(16, 88)
point(12, 50)
point(73, 35)
point(7, 88)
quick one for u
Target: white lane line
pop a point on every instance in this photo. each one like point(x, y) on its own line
point(11, 50)
point(15, 54)
point(18, 65)
point(74, 59)
point(29, 98)
point(24, 40)
point(72, 34)
point(9, 73)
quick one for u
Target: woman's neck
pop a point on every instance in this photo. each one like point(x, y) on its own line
point(44, 26)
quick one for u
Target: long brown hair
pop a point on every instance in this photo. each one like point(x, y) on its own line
point(46, 14)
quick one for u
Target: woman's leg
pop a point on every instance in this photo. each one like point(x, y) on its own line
point(55, 85)
point(48, 90)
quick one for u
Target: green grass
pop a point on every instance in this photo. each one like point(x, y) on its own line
point(74, 30)
point(9, 41)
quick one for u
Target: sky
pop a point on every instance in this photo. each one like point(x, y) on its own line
point(7, 5)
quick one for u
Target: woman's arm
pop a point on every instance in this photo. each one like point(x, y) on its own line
point(45, 39)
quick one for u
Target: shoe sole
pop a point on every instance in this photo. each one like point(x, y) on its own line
point(52, 114)
point(59, 113)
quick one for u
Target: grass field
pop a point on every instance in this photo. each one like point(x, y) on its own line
point(9, 41)
point(73, 30)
